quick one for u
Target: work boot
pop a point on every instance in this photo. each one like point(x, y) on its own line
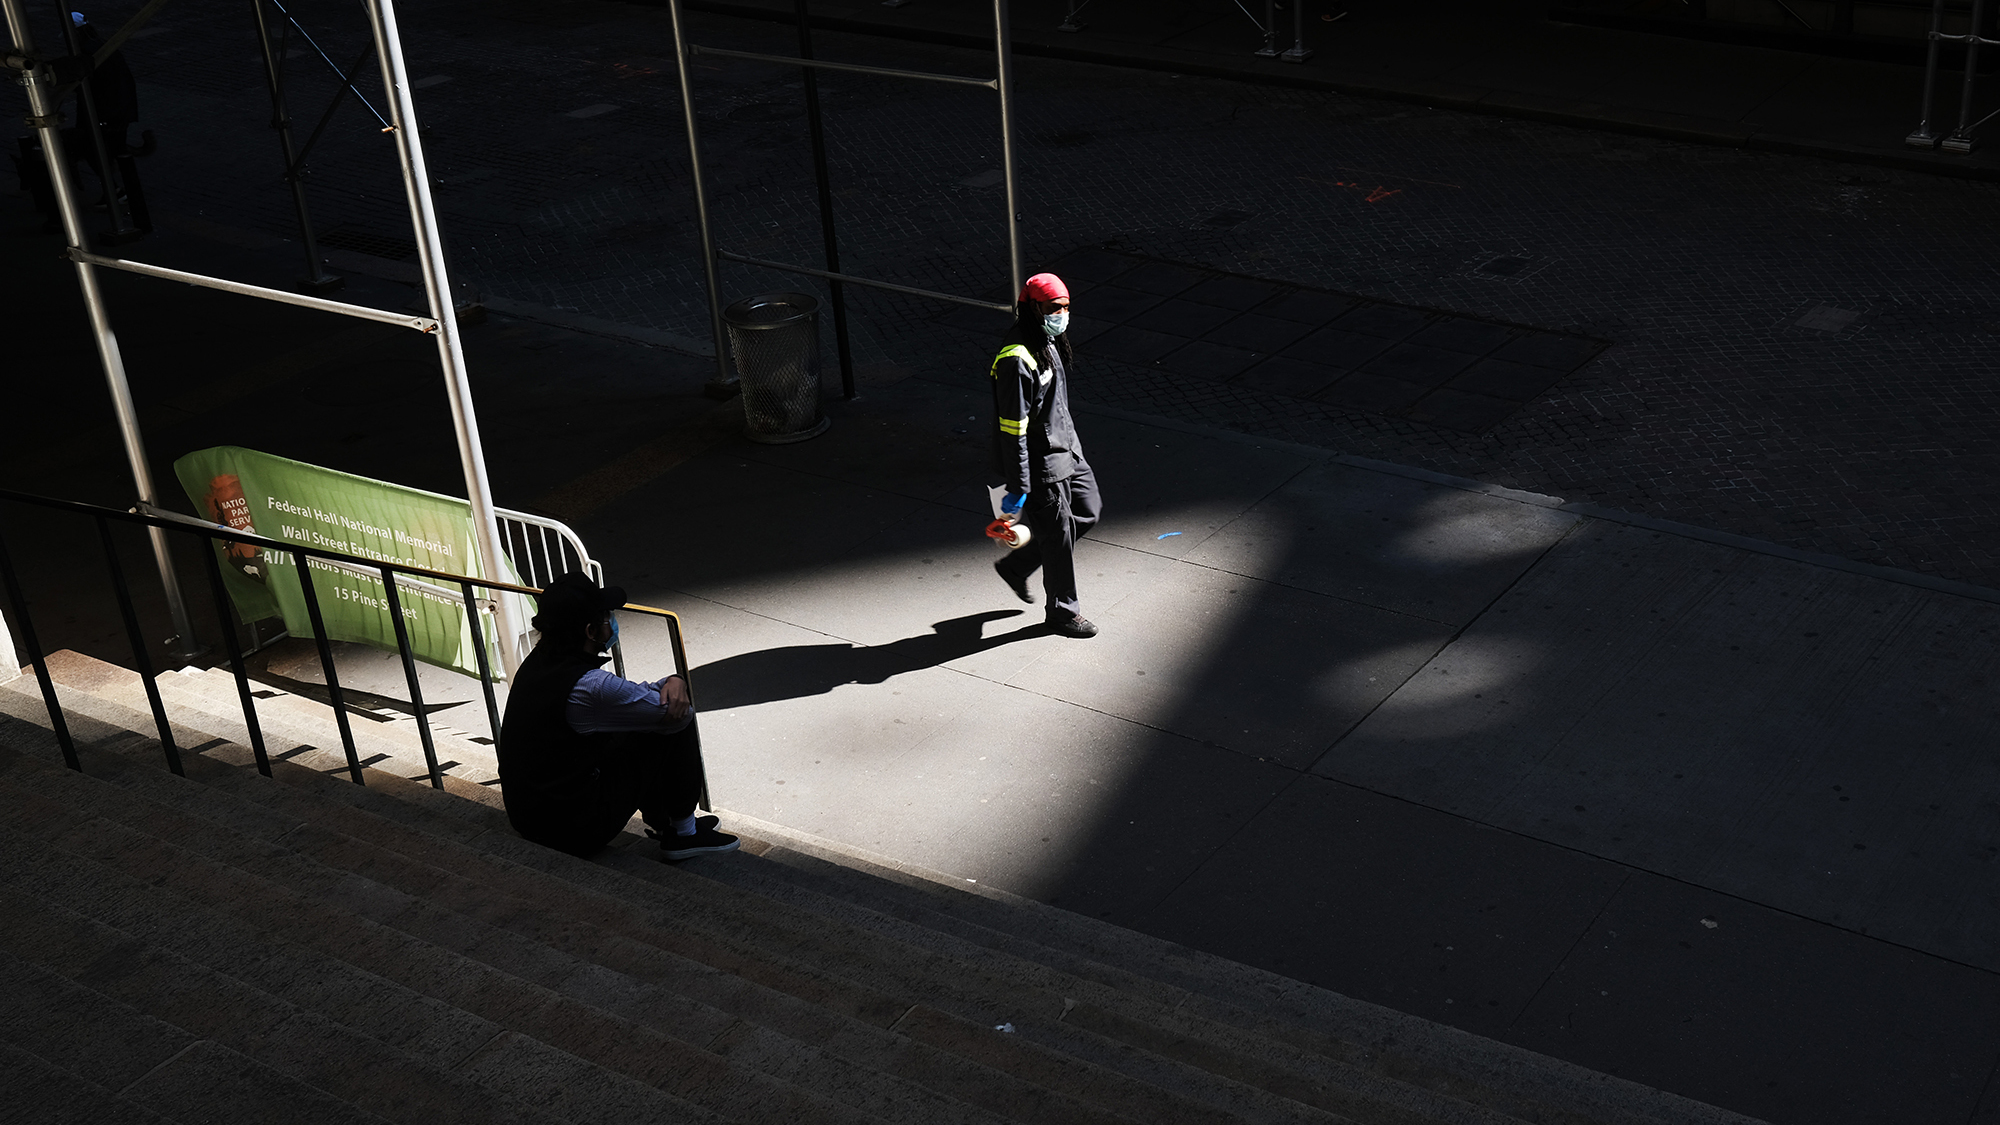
point(1018, 585)
point(1072, 625)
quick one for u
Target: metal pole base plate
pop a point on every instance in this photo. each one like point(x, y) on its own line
point(1921, 139)
point(1295, 55)
point(1958, 145)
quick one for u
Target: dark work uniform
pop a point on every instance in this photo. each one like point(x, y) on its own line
point(1036, 451)
point(575, 792)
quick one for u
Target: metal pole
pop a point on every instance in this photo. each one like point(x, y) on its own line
point(395, 603)
point(485, 666)
point(1923, 137)
point(1270, 48)
point(220, 593)
point(317, 279)
point(1960, 140)
point(817, 128)
point(122, 229)
point(37, 660)
point(723, 376)
point(1003, 45)
point(1298, 53)
point(45, 114)
point(333, 692)
point(451, 352)
point(130, 613)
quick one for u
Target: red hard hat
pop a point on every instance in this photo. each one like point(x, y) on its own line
point(1044, 287)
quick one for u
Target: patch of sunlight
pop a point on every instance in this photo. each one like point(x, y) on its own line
point(1445, 535)
point(1477, 683)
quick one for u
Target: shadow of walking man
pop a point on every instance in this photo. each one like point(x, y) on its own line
point(800, 670)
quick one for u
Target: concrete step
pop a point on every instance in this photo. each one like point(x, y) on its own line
point(213, 691)
point(549, 938)
point(808, 945)
point(206, 702)
point(1110, 1002)
point(819, 1039)
point(399, 1084)
point(888, 1098)
point(42, 1092)
point(535, 1074)
point(149, 1062)
point(128, 727)
point(260, 878)
point(1379, 1053)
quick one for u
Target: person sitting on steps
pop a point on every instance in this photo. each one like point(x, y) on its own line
point(582, 749)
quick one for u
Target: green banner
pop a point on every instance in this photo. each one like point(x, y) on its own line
point(334, 511)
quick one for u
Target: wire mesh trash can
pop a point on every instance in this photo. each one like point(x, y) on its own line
point(775, 337)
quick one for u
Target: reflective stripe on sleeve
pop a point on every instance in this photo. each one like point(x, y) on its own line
point(1017, 352)
point(1013, 426)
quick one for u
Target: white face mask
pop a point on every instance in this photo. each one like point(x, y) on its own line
point(1056, 323)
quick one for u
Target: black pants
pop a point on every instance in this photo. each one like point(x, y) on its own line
point(656, 775)
point(1058, 515)
point(78, 145)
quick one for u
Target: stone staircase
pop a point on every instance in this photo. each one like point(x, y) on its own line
point(230, 947)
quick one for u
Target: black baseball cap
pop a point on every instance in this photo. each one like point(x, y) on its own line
point(573, 599)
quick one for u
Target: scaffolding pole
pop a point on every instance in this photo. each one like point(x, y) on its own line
point(45, 114)
point(712, 255)
point(451, 352)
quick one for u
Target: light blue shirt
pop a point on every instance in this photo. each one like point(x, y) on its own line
point(605, 703)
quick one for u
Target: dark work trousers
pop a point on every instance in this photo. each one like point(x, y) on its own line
point(1058, 515)
point(78, 145)
point(656, 775)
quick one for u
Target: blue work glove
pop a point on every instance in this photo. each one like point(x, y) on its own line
point(1010, 504)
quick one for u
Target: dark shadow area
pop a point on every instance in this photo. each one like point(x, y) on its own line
point(796, 671)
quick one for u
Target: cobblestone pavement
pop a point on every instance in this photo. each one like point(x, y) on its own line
point(1801, 349)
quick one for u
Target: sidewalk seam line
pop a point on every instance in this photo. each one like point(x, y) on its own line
point(1571, 951)
point(1457, 633)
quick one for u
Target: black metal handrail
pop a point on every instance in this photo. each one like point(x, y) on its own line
point(105, 517)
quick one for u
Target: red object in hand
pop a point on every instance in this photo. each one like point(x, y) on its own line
point(1008, 532)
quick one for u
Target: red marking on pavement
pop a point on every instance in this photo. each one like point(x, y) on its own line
point(1412, 179)
point(1376, 194)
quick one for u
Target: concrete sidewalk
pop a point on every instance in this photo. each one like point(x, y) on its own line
point(1699, 815)
point(1503, 57)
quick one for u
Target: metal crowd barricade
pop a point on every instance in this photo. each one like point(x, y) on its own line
point(1960, 140)
point(1003, 83)
point(392, 575)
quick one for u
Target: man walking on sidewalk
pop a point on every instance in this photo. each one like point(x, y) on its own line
point(1037, 454)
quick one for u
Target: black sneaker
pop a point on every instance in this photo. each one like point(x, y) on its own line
point(705, 841)
point(1077, 627)
point(1018, 585)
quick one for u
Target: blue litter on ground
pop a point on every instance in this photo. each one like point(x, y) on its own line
point(1168, 535)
